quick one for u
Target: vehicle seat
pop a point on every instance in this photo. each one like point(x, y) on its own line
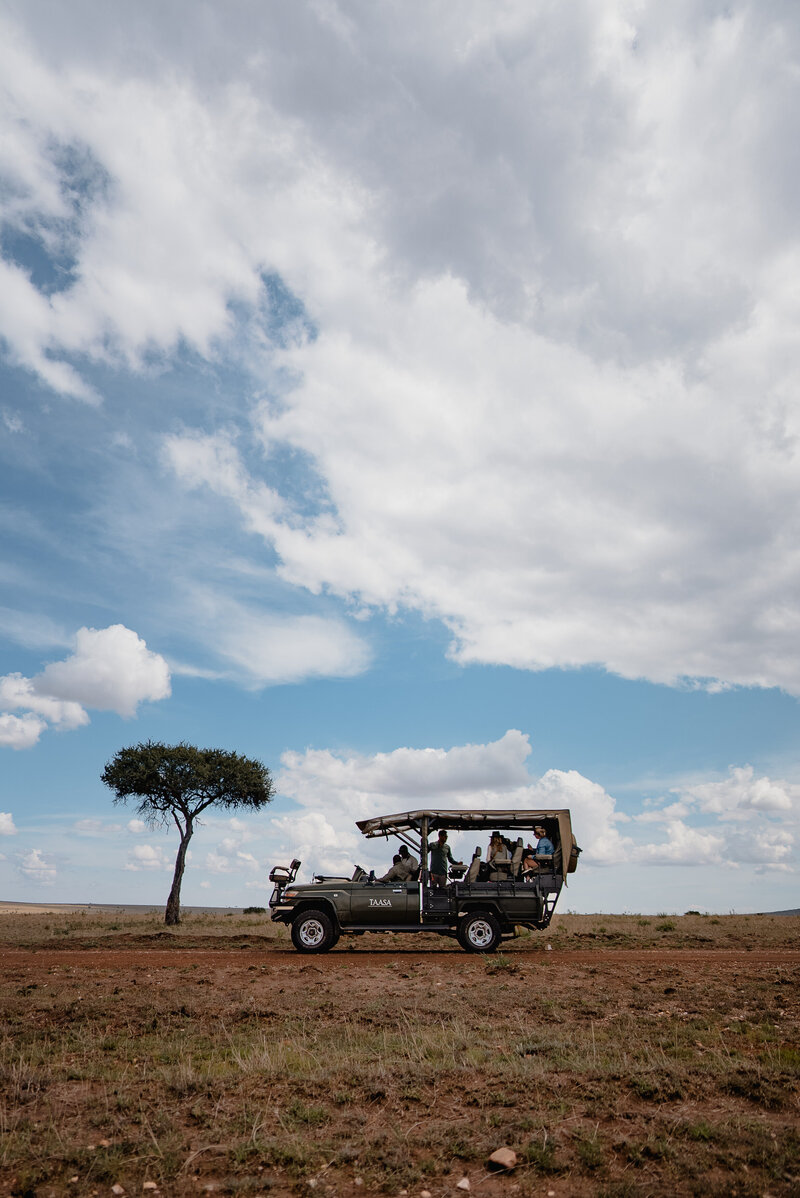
point(474, 867)
point(516, 858)
point(545, 861)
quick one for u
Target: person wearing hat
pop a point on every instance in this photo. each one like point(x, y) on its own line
point(497, 851)
point(441, 854)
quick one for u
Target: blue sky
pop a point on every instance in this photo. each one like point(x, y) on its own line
point(412, 404)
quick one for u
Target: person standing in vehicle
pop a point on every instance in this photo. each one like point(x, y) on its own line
point(440, 855)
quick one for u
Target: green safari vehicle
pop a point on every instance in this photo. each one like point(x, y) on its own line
point(481, 905)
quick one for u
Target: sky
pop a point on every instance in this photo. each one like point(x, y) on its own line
point(404, 394)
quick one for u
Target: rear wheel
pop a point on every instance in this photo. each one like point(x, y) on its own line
point(479, 932)
point(313, 932)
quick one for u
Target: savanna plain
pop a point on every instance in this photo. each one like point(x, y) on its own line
point(615, 1055)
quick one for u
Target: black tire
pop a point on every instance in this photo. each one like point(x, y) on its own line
point(479, 932)
point(314, 932)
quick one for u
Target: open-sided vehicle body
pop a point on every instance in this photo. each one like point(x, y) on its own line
point(481, 907)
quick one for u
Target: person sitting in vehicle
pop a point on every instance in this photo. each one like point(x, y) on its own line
point(545, 847)
point(441, 854)
point(542, 855)
point(497, 852)
point(403, 870)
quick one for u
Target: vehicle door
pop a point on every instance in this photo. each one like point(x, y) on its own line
point(382, 903)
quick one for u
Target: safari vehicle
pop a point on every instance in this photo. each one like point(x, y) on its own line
point(481, 906)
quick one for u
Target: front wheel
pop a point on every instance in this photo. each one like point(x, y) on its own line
point(313, 932)
point(479, 932)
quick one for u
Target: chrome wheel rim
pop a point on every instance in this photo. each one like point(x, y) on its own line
point(311, 933)
point(480, 933)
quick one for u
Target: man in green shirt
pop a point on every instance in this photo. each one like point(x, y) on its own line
point(440, 854)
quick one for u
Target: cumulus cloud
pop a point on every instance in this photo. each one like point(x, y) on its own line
point(7, 827)
point(742, 794)
point(335, 790)
point(228, 860)
point(683, 846)
point(770, 808)
point(20, 732)
point(35, 866)
point(148, 857)
point(111, 670)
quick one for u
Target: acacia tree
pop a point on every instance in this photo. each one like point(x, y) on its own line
point(177, 783)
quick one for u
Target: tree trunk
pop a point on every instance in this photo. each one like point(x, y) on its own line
point(172, 914)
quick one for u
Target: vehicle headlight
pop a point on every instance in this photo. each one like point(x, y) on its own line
point(290, 894)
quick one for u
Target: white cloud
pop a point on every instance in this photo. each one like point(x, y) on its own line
point(7, 827)
point(441, 776)
point(266, 648)
point(36, 867)
point(333, 790)
point(20, 732)
point(19, 692)
point(96, 827)
point(136, 826)
point(741, 794)
point(663, 815)
point(323, 842)
point(336, 790)
point(111, 669)
point(764, 846)
point(770, 809)
point(229, 860)
point(148, 857)
point(684, 846)
point(552, 398)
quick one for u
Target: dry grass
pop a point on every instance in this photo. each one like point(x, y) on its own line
point(402, 1070)
point(93, 928)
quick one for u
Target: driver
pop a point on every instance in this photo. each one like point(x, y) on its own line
point(404, 869)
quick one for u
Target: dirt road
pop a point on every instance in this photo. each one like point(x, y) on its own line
point(344, 958)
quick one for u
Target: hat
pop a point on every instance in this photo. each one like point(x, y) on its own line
point(497, 834)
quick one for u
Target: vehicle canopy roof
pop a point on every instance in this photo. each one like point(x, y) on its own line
point(427, 821)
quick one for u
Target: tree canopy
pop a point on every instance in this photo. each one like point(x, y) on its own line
point(176, 783)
